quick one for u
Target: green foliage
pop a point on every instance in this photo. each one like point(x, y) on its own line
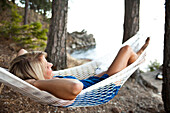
point(153, 66)
point(30, 35)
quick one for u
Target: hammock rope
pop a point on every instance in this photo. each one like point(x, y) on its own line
point(96, 94)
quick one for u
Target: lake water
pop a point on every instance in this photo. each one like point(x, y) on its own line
point(105, 21)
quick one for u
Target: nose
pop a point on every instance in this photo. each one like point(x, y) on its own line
point(50, 64)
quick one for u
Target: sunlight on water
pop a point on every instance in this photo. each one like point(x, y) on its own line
point(105, 21)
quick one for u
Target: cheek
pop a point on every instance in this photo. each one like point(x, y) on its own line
point(49, 74)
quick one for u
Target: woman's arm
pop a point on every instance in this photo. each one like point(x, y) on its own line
point(66, 89)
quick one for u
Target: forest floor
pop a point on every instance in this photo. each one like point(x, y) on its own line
point(132, 97)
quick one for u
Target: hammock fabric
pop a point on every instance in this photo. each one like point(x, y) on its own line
point(96, 94)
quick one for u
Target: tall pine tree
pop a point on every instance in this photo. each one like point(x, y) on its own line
point(56, 44)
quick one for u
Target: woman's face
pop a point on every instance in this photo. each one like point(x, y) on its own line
point(48, 71)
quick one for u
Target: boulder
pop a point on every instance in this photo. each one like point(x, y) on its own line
point(78, 40)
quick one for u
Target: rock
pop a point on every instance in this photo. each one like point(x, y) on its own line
point(154, 84)
point(72, 62)
point(115, 110)
point(77, 40)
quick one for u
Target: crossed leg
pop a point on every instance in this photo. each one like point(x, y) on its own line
point(125, 57)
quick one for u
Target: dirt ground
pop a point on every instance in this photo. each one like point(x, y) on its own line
point(132, 97)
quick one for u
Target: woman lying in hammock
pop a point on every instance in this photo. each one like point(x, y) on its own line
point(36, 70)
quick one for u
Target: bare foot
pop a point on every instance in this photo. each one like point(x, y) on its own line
point(144, 46)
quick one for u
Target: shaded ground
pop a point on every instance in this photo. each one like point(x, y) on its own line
point(132, 97)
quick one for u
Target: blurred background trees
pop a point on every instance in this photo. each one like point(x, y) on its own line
point(40, 6)
point(31, 35)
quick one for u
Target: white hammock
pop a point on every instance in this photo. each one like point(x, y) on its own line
point(97, 94)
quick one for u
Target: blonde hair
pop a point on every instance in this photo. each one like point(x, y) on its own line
point(28, 66)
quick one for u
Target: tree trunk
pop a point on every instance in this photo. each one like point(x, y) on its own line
point(131, 20)
point(44, 13)
point(26, 11)
point(56, 45)
point(166, 61)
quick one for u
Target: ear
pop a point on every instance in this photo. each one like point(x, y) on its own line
point(21, 52)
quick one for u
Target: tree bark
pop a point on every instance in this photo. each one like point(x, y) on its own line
point(131, 20)
point(56, 44)
point(26, 12)
point(166, 61)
